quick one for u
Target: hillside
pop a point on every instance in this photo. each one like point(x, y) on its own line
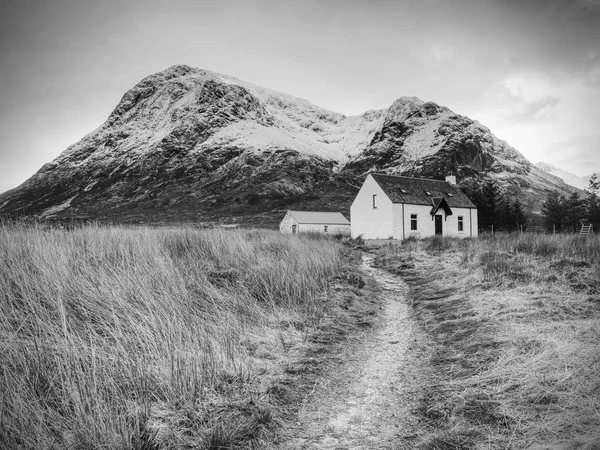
point(568, 177)
point(188, 144)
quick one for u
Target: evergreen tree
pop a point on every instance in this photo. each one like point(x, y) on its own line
point(488, 211)
point(553, 211)
point(593, 185)
point(574, 212)
point(505, 215)
point(593, 202)
point(519, 217)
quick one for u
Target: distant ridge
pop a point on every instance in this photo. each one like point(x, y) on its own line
point(568, 177)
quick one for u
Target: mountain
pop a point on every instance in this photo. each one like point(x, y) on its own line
point(190, 144)
point(568, 177)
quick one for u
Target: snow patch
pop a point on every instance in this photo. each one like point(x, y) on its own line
point(89, 186)
point(61, 207)
point(331, 141)
point(420, 143)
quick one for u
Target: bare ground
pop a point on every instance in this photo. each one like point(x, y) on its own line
point(367, 401)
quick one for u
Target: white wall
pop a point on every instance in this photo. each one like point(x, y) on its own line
point(426, 224)
point(452, 222)
point(474, 223)
point(285, 226)
point(387, 219)
point(366, 221)
point(320, 228)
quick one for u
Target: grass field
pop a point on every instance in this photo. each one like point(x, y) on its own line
point(514, 329)
point(120, 338)
point(139, 338)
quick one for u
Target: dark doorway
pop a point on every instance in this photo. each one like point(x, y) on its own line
point(438, 225)
point(293, 229)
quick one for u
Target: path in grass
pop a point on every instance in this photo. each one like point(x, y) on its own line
point(366, 402)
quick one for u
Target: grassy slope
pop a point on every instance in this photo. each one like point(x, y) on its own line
point(162, 338)
point(514, 329)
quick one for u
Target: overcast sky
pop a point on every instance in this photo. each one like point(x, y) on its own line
point(527, 69)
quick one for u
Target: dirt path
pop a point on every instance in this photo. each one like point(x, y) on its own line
point(367, 402)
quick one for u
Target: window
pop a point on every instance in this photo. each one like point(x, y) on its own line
point(413, 221)
point(325, 228)
point(374, 201)
point(461, 223)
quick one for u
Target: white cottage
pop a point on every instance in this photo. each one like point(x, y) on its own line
point(393, 207)
point(314, 222)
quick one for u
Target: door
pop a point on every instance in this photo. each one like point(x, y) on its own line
point(294, 229)
point(438, 224)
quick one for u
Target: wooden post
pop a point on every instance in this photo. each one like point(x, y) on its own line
point(521, 229)
point(553, 229)
point(492, 229)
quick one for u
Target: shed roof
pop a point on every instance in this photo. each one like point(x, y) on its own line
point(319, 217)
point(421, 191)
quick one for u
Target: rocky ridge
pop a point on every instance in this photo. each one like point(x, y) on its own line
point(190, 144)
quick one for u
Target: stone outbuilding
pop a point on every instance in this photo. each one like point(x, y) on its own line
point(314, 222)
point(393, 207)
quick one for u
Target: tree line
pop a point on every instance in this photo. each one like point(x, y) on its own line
point(559, 213)
point(567, 214)
point(495, 208)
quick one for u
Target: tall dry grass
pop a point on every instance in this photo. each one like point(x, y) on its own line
point(514, 329)
point(149, 338)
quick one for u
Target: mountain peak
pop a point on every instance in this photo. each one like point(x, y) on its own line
point(191, 141)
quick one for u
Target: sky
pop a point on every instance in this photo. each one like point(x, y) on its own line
point(527, 69)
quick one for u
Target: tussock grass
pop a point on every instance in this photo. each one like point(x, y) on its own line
point(514, 325)
point(153, 338)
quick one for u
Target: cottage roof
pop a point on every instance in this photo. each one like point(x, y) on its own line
point(319, 217)
point(421, 191)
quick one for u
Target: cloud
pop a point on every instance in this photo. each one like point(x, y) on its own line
point(533, 111)
point(557, 37)
point(588, 5)
point(579, 155)
point(592, 77)
point(439, 53)
point(434, 55)
point(523, 99)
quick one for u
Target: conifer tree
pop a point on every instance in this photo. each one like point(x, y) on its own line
point(593, 202)
point(505, 215)
point(518, 215)
point(489, 210)
point(553, 211)
point(574, 212)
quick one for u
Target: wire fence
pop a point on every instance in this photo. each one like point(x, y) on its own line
point(536, 229)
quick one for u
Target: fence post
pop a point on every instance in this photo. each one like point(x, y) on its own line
point(553, 229)
point(492, 229)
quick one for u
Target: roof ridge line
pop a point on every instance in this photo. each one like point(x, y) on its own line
point(412, 178)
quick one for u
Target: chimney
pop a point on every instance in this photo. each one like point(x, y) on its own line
point(451, 179)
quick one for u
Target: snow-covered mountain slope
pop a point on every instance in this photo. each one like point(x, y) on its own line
point(568, 177)
point(416, 134)
point(194, 143)
point(425, 139)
